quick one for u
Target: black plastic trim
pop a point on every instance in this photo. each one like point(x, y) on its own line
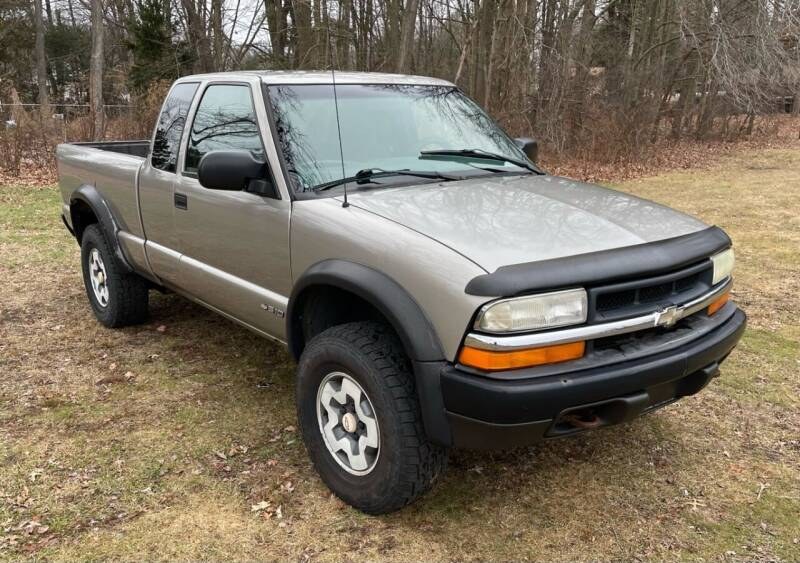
point(474, 434)
point(613, 395)
point(497, 402)
point(380, 291)
point(68, 226)
point(91, 197)
point(427, 376)
point(615, 265)
point(403, 313)
point(181, 200)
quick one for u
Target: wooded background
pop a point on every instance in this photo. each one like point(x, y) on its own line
point(596, 77)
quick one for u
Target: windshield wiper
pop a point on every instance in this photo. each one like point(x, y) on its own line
point(480, 153)
point(368, 174)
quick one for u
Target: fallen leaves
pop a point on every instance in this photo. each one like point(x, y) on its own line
point(30, 532)
point(761, 488)
point(267, 509)
point(127, 377)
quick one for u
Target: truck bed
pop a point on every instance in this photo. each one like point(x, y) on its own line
point(112, 167)
point(133, 148)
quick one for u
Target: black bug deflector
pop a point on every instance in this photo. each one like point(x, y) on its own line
point(617, 264)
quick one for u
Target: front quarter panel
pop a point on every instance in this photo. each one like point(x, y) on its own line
point(432, 274)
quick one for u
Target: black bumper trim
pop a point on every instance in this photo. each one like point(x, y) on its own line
point(485, 413)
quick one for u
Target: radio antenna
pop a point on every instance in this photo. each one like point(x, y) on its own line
point(338, 123)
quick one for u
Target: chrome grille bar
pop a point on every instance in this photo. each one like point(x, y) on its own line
point(666, 317)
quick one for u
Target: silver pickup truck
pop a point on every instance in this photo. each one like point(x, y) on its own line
point(436, 288)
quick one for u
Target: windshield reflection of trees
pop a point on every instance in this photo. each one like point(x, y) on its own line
point(294, 142)
point(402, 121)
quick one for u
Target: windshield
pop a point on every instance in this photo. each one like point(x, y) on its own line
point(383, 126)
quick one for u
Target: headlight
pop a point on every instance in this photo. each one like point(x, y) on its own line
point(723, 265)
point(535, 312)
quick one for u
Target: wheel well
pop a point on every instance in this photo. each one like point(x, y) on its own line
point(82, 216)
point(319, 307)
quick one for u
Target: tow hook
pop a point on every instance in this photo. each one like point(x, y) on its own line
point(584, 420)
point(594, 415)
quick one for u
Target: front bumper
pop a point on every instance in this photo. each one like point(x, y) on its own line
point(495, 413)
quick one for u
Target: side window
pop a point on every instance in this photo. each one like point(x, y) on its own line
point(225, 120)
point(170, 126)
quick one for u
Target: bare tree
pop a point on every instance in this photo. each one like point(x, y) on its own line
point(41, 60)
point(603, 78)
point(301, 10)
point(407, 35)
point(96, 71)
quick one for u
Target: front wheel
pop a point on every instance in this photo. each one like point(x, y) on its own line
point(360, 418)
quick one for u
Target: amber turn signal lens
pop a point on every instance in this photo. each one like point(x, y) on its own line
point(489, 360)
point(718, 304)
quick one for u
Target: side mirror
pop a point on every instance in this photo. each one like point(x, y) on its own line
point(235, 170)
point(529, 146)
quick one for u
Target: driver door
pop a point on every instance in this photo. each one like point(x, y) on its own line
point(234, 244)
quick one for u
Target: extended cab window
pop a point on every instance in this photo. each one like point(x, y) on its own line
point(225, 120)
point(169, 129)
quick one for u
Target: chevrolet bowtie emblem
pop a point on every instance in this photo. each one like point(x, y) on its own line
point(667, 317)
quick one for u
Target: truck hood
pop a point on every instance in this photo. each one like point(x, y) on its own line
point(499, 221)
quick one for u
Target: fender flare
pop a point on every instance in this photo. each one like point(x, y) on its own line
point(403, 313)
point(379, 290)
point(89, 195)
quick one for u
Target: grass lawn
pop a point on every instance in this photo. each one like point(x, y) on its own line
point(177, 439)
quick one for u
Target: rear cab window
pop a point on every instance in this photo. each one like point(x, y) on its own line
point(225, 120)
point(169, 129)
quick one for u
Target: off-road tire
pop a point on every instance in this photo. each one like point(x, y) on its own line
point(408, 464)
point(127, 293)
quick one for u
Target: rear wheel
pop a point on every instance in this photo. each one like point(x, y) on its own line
point(360, 418)
point(117, 298)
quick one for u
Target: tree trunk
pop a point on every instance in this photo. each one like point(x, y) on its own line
point(71, 13)
point(198, 36)
point(486, 16)
point(491, 63)
point(392, 9)
point(583, 61)
point(276, 24)
point(305, 36)
point(345, 34)
point(41, 60)
point(218, 55)
point(462, 59)
point(407, 40)
point(96, 72)
point(49, 11)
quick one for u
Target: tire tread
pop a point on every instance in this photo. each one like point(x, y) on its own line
point(422, 462)
point(128, 293)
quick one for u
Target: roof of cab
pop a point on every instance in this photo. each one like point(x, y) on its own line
point(322, 77)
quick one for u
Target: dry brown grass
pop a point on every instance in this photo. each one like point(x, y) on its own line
point(168, 461)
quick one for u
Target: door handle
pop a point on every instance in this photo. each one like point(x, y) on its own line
point(180, 201)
